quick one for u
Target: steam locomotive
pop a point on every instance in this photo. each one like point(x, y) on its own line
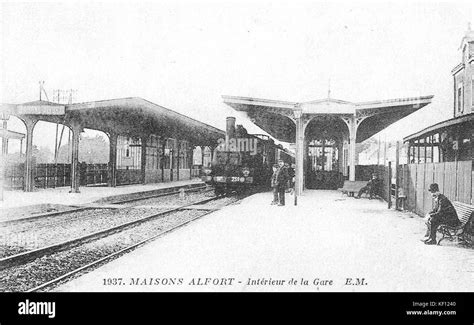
point(242, 161)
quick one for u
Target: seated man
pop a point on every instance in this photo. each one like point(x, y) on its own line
point(371, 187)
point(443, 213)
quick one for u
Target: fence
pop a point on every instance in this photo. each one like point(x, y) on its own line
point(54, 175)
point(455, 180)
point(58, 175)
point(13, 176)
point(129, 176)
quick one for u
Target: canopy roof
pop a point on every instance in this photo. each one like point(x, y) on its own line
point(464, 121)
point(277, 117)
point(126, 116)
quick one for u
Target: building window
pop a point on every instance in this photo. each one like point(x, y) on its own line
point(459, 97)
point(472, 91)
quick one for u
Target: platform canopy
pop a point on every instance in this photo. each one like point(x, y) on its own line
point(344, 122)
point(126, 116)
point(277, 117)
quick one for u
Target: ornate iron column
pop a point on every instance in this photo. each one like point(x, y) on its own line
point(299, 139)
point(29, 178)
point(76, 130)
point(112, 172)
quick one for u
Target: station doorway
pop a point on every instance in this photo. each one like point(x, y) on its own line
point(323, 170)
point(325, 153)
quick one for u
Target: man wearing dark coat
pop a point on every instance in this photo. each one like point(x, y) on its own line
point(443, 213)
point(371, 187)
point(279, 180)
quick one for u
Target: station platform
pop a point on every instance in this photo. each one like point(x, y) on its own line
point(327, 243)
point(61, 195)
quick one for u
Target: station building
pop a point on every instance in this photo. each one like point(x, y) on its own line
point(443, 153)
point(147, 142)
point(451, 140)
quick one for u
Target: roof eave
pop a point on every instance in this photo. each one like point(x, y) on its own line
point(443, 124)
point(257, 102)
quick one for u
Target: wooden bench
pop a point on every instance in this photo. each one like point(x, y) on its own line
point(351, 187)
point(465, 213)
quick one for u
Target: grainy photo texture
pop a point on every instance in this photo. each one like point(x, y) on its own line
point(237, 146)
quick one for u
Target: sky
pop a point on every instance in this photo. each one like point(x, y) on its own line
point(184, 55)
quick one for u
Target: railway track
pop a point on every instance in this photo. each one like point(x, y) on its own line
point(52, 265)
point(104, 259)
point(27, 256)
point(57, 219)
point(40, 217)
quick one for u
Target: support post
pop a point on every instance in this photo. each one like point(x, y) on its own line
point(345, 155)
point(178, 157)
point(203, 152)
point(212, 149)
point(299, 139)
point(29, 178)
point(190, 159)
point(112, 167)
point(171, 161)
point(76, 130)
point(162, 160)
point(306, 164)
point(352, 148)
point(389, 182)
point(397, 171)
point(340, 157)
point(144, 139)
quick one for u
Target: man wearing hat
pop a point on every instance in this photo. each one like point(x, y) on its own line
point(370, 188)
point(443, 213)
point(279, 180)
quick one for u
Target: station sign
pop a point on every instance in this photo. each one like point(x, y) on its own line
point(126, 161)
point(41, 110)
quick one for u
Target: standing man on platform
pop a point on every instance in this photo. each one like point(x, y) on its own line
point(279, 181)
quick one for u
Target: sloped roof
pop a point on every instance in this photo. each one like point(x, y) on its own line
point(276, 117)
point(131, 116)
point(467, 118)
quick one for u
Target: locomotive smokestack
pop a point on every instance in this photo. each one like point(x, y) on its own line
point(230, 127)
